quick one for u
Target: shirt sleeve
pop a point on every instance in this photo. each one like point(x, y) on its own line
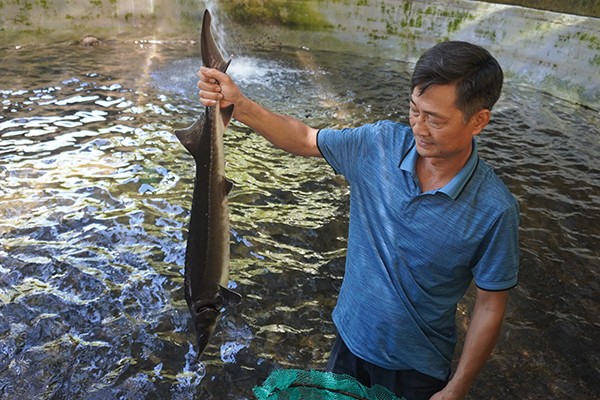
point(498, 264)
point(344, 149)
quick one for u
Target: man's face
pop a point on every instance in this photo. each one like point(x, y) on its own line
point(438, 125)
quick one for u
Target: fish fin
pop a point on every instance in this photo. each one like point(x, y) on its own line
point(211, 56)
point(229, 296)
point(189, 137)
point(226, 115)
point(228, 186)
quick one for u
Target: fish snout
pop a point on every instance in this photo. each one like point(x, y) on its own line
point(205, 322)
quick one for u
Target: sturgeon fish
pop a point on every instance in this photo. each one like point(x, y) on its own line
point(207, 249)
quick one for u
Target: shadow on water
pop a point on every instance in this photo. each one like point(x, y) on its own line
point(96, 194)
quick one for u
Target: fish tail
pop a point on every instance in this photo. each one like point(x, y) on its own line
point(211, 56)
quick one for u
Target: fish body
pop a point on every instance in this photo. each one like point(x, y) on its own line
point(207, 249)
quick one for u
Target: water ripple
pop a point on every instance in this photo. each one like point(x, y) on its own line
point(95, 199)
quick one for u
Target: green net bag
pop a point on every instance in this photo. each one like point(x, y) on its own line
point(296, 384)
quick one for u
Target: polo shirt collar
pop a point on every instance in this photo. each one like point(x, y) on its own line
point(453, 188)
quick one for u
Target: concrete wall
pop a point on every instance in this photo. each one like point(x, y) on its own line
point(558, 52)
point(589, 8)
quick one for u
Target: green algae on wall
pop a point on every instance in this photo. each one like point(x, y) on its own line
point(586, 40)
point(299, 14)
point(589, 8)
point(399, 23)
point(591, 41)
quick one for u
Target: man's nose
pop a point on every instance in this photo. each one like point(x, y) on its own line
point(419, 125)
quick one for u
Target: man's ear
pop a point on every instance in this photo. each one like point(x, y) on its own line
point(479, 120)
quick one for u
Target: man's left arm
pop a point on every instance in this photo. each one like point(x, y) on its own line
point(482, 334)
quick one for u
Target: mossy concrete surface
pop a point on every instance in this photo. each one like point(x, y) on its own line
point(558, 52)
point(587, 8)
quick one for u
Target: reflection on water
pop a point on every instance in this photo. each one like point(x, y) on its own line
point(95, 199)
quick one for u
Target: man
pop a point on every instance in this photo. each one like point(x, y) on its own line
point(427, 216)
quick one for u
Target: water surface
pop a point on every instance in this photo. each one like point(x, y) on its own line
point(95, 199)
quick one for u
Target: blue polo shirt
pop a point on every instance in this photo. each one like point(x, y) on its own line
point(411, 255)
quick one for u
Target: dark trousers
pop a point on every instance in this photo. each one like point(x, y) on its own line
point(411, 384)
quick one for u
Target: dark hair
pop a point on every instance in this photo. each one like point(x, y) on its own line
point(477, 74)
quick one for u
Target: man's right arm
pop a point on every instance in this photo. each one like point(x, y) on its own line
point(282, 131)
